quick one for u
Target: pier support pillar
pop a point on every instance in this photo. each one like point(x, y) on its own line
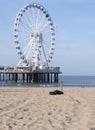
point(0, 77)
point(16, 77)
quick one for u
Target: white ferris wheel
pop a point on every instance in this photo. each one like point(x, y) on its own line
point(34, 36)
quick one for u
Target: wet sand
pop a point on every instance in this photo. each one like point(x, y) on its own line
point(35, 109)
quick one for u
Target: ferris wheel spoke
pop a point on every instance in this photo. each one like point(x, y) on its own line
point(32, 13)
point(26, 48)
point(26, 26)
point(23, 33)
point(31, 20)
point(43, 26)
point(40, 24)
point(46, 31)
point(26, 39)
point(28, 54)
point(36, 24)
point(43, 20)
point(37, 20)
point(46, 47)
point(27, 21)
point(44, 52)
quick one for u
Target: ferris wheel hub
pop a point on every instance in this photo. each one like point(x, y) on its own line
point(37, 37)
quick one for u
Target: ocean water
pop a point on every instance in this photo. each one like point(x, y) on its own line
point(68, 81)
point(78, 81)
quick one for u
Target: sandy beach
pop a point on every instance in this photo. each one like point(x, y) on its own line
point(35, 109)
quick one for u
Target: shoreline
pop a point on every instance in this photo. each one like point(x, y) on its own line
point(46, 86)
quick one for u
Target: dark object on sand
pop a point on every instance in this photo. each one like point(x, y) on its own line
point(56, 92)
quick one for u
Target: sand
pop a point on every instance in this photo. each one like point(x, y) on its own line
point(35, 109)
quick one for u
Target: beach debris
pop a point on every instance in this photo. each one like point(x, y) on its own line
point(56, 92)
point(49, 113)
point(92, 129)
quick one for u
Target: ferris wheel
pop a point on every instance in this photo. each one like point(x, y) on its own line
point(34, 36)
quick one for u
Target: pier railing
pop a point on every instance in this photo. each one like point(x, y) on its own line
point(28, 70)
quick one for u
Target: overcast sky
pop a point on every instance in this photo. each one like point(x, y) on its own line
point(75, 33)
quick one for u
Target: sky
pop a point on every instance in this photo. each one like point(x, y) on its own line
point(74, 22)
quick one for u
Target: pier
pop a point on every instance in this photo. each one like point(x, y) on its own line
point(36, 49)
point(49, 75)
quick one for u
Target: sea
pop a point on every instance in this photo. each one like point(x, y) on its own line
point(68, 81)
